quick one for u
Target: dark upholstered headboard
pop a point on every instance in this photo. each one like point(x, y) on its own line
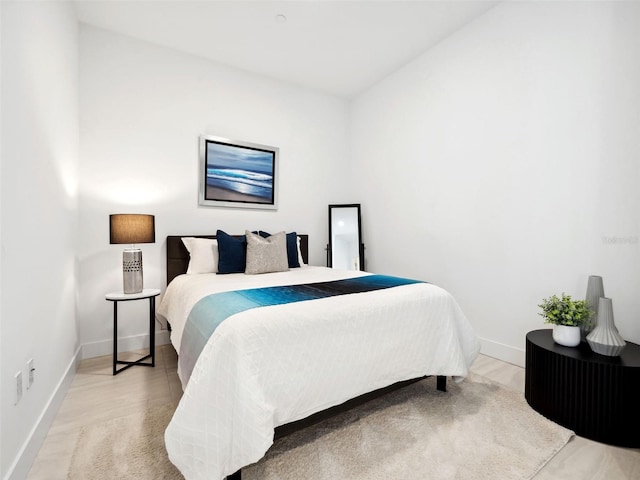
point(178, 255)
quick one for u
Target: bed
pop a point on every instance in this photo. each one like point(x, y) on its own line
point(276, 367)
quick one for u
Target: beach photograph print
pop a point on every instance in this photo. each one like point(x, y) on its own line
point(239, 174)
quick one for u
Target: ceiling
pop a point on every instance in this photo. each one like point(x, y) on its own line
point(338, 47)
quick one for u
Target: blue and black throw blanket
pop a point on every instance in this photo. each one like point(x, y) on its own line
point(213, 309)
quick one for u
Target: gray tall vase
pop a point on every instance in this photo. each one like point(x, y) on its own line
point(595, 290)
point(604, 338)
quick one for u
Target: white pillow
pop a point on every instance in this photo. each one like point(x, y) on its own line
point(300, 259)
point(265, 255)
point(203, 254)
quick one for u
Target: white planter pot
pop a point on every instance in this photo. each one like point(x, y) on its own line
point(565, 335)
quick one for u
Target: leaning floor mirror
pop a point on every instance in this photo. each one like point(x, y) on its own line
point(345, 249)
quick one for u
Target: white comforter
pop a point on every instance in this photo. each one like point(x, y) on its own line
point(273, 365)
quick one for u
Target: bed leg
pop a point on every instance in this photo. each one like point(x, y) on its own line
point(235, 476)
point(441, 383)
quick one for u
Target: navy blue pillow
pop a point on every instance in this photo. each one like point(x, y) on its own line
point(232, 253)
point(292, 248)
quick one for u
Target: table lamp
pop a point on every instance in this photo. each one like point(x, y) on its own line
point(131, 229)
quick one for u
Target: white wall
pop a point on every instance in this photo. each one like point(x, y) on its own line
point(143, 108)
point(503, 164)
point(1, 240)
point(38, 222)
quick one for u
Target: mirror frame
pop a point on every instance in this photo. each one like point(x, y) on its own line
point(360, 244)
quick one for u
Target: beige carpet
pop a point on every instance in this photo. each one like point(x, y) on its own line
point(475, 431)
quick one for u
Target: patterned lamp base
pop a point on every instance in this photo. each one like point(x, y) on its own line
point(132, 270)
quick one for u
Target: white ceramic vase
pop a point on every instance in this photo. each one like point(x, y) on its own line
point(566, 335)
point(604, 338)
point(595, 290)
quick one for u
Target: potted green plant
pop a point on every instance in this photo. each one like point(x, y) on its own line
point(567, 316)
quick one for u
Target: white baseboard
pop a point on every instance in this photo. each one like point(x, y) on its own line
point(29, 451)
point(125, 344)
point(503, 352)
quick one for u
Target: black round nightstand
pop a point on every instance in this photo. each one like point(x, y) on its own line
point(597, 397)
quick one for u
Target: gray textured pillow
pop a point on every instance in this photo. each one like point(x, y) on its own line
point(265, 255)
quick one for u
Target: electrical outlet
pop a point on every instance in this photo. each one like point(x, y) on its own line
point(18, 377)
point(30, 373)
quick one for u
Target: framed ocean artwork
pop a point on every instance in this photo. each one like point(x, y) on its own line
point(237, 174)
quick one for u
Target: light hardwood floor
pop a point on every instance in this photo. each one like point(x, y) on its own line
point(96, 396)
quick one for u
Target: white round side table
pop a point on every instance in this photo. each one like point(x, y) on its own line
point(115, 297)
